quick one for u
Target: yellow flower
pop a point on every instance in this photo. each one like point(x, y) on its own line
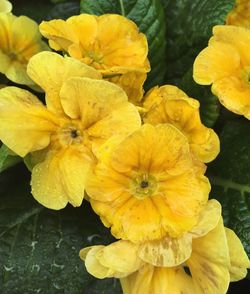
point(110, 43)
point(240, 14)
point(148, 186)
point(225, 64)
point(19, 41)
point(207, 270)
point(82, 113)
point(5, 6)
point(168, 104)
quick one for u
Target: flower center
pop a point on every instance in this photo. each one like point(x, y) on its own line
point(143, 185)
point(69, 134)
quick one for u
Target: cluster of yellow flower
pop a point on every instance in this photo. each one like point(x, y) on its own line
point(140, 158)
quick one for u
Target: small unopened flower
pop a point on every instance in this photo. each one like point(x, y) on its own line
point(20, 39)
point(5, 6)
point(240, 14)
point(217, 258)
point(225, 64)
point(110, 43)
point(81, 113)
point(148, 186)
point(168, 104)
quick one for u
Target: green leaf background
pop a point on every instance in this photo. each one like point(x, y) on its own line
point(38, 247)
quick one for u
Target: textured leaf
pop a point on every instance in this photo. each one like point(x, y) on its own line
point(7, 158)
point(149, 16)
point(39, 247)
point(189, 26)
point(64, 10)
point(230, 179)
point(210, 106)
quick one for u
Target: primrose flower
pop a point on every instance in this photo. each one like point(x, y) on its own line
point(148, 186)
point(168, 104)
point(225, 64)
point(110, 43)
point(215, 258)
point(82, 113)
point(5, 6)
point(240, 14)
point(20, 39)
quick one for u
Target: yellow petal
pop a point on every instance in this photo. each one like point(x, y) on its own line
point(16, 72)
point(84, 23)
point(129, 47)
point(59, 32)
point(167, 252)
point(240, 14)
point(208, 219)
point(168, 104)
point(5, 6)
point(26, 125)
point(120, 122)
point(118, 259)
point(120, 256)
point(132, 84)
point(239, 261)
point(93, 266)
point(50, 70)
point(209, 262)
point(4, 62)
point(60, 178)
point(28, 36)
point(91, 100)
point(217, 61)
point(233, 94)
point(20, 39)
point(155, 280)
point(238, 37)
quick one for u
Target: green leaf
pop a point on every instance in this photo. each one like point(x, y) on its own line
point(190, 26)
point(39, 247)
point(64, 10)
point(7, 158)
point(149, 16)
point(209, 104)
point(36, 10)
point(229, 175)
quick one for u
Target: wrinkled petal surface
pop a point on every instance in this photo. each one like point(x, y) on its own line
point(26, 125)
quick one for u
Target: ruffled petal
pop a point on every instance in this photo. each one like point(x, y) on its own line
point(155, 280)
point(118, 259)
point(208, 220)
point(59, 32)
point(239, 261)
point(238, 37)
point(209, 262)
point(84, 23)
point(167, 252)
point(132, 84)
point(60, 178)
point(93, 266)
point(217, 61)
point(26, 125)
point(168, 104)
point(5, 6)
point(233, 94)
point(50, 70)
point(102, 107)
